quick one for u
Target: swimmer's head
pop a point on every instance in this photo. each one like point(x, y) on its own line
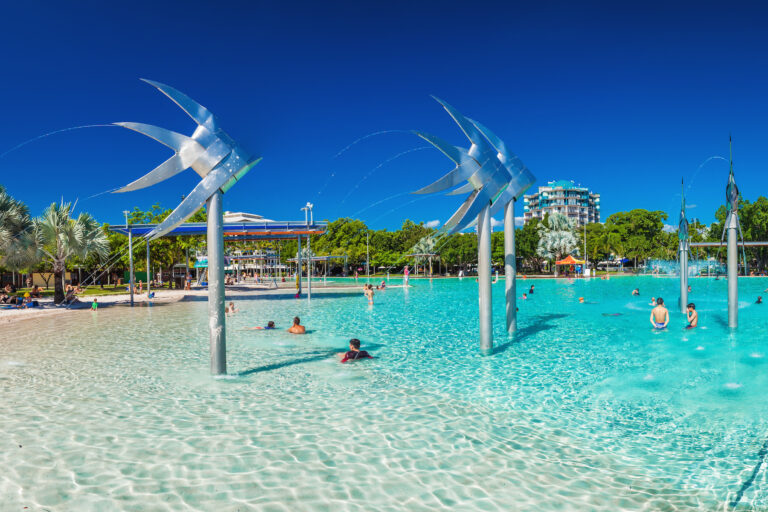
point(354, 343)
point(691, 306)
point(581, 299)
point(296, 320)
point(660, 301)
point(271, 324)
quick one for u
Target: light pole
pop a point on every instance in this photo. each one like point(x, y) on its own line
point(367, 254)
point(308, 210)
point(585, 270)
point(130, 254)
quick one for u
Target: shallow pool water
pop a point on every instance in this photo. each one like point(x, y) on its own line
point(585, 408)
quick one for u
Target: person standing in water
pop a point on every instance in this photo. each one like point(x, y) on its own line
point(659, 315)
point(530, 290)
point(406, 275)
point(297, 328)
point(692, 315)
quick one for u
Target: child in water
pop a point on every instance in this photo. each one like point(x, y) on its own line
point(354, 352)
point(692, 315)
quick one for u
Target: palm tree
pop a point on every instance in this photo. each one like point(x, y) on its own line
point(423, 249)
point(556, 239)
point(58, 237)
point(14, 223)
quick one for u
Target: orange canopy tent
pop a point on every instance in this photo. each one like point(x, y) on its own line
point(569, 260)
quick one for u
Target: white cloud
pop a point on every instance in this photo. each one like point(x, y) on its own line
point(432, 223)
point(669, 229)
point(519, 221)
point(495, 222)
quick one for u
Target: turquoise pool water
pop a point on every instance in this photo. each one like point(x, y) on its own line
point(577, 411)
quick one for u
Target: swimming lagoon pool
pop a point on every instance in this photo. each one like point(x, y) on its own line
point(585, 408)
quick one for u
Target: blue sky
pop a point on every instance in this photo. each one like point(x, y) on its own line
point(625, 98)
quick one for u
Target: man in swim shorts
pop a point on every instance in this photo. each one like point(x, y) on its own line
point(297, 328)
point(659, 315)
point(354, 352)
point(693, 316)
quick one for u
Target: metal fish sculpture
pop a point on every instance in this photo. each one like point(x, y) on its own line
point(209, 151)
point(682, 231)
point(493, 174)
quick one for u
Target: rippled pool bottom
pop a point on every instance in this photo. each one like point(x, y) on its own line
point(579, 411)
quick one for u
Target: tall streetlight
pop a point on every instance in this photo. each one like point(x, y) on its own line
point(307, 218)
point(368, 254)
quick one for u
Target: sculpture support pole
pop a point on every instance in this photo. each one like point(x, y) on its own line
point(510, 266)
point(309, 269)
point(484, 279)
point(216, 320)
point(733, 272)
point(683, 252)
point(298, 266)
point(130, 262)
point(148, 270)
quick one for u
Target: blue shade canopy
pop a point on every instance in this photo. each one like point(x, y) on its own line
point(209, 151)
point(493, 174)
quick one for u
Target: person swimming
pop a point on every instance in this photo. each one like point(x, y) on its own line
point(581, 300)
point(692, 315)
point(653, 301)
point(660, 315)
point(525, 297)
point(530, 290)
point(231, 309)
point(297, 328)
point(759, 300)
point(270, 325)
point(354, 352)
point(636, 291)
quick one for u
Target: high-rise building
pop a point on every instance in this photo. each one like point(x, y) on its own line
point(563, 196)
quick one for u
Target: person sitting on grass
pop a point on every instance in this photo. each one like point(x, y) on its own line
point(36, 292)
point(71, 295)
point(354, 352)
point(297, 328)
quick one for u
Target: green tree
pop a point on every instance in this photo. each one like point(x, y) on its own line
point(556, 238)
point(527, 243)
point(59, 237)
